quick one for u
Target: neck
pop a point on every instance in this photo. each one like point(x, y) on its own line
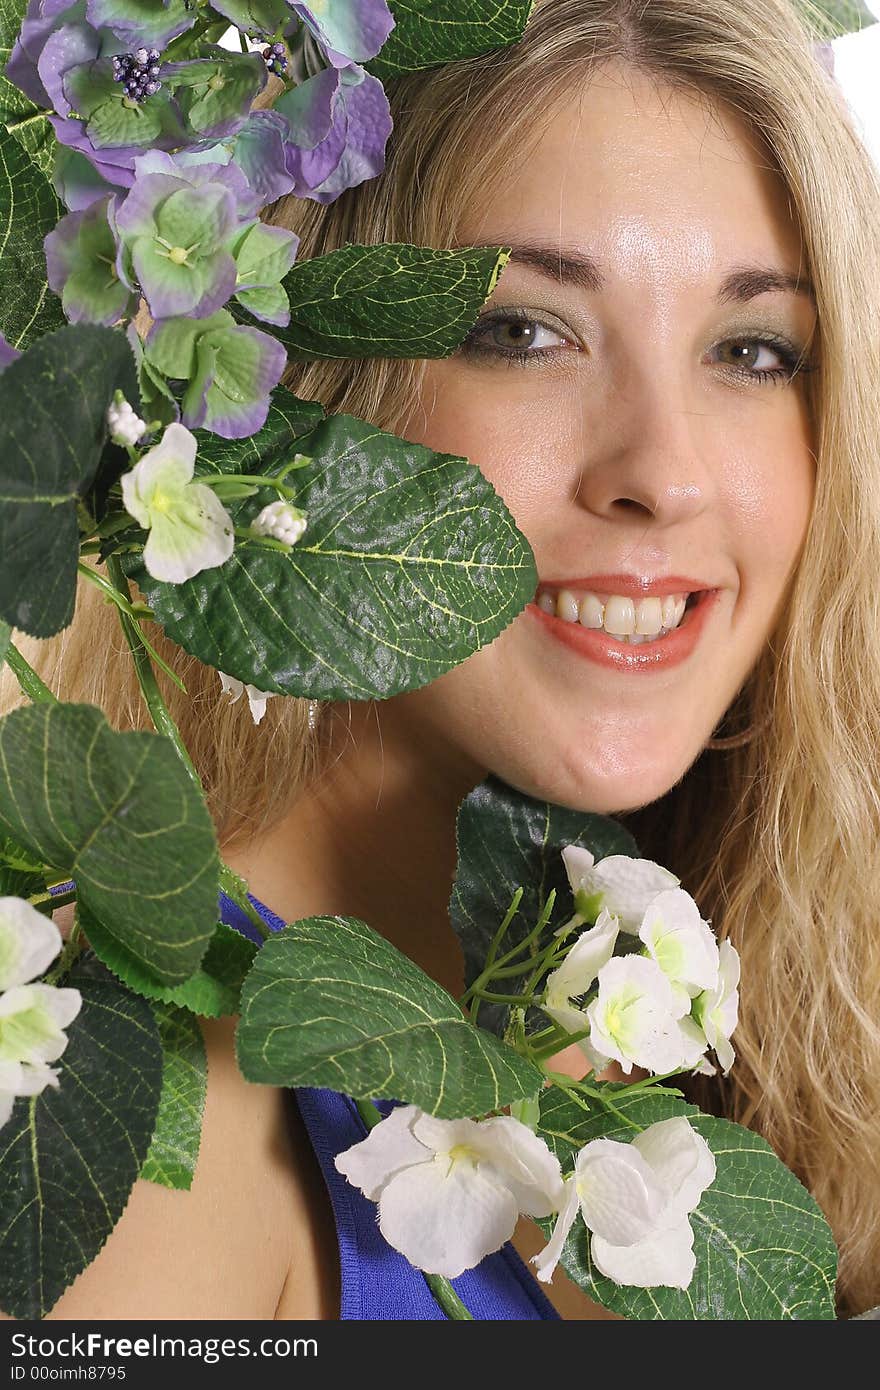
point(373, 837)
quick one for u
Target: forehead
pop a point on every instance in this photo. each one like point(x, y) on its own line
point(656, 183)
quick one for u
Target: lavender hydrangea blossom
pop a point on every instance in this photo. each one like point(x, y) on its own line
point(339, 122)
point(347, 33)
point(81, 256)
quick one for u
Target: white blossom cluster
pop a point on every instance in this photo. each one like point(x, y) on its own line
point(33, 1016)
point(449, 1192)
point(660, 1008)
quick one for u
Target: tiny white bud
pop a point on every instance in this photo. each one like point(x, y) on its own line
point(125, 427)
point(280, 520)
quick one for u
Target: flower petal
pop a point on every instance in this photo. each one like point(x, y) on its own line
point(446, 1216)
point(389, 1146)
point(29, 942)
point(592, 949)
point(666, 1258)
point(681, 1161)
point(547, 1259)
point(523, 1161)
point(619, 1195)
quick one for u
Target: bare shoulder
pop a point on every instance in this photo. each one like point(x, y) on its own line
point(226, 1247)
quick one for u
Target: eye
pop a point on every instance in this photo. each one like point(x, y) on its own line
point(512, 334)
point(749, 350)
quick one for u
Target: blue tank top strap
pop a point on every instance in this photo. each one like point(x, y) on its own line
point(378, 1283)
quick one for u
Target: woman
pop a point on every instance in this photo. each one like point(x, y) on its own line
point(668, 419)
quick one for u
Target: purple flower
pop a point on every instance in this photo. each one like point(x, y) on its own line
point(260, 151)
point(339, 126)
point(173, 231)
point(81, 263)
point(54, 37)
point(8, 353)
point(141, 21)
point(346, 32)
point(230, 370)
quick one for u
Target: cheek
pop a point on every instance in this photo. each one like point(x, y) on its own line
point(529, 446)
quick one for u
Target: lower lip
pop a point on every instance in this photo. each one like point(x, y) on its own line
point(599, 646)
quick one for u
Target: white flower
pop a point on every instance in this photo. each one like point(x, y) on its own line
point(256, 698)
point(450, 1191)
point(716, 1010)
point(29, 942)
point(32, 1016)
point(637, 1018)
point(576, 974)
point(681, 943)
point(635, 1199)
point(190, 529)
point(125, 427)
point(281, 520)
point(620, 883)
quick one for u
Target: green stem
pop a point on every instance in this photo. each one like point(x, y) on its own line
point(519, 1001)
point(441, 1288)
point(649, 1081)
point(72, 948)
point(133, 611)
point(570, 1087)
point(146, 676)
point(232, 885)
point(27, 678)
point(492, 952)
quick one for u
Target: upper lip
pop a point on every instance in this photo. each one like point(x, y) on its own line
point(631, 585)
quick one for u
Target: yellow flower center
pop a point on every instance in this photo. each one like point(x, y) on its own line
point(177, 255)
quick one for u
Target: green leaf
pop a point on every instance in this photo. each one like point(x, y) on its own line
point(173, 1154)
point(763, 1248)
point(410, 563)
point(329, 1002)
point(25, 121)
point(442, 31)
point(119, 813)
point(53, 405)
point(265, 452)
point(69, 1157)
point(508, 840)
point(391, 300)
point(842, 16)
point(212, 991)
point(28, 210)
point(5, 639)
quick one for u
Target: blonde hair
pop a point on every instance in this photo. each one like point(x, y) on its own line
point(776, 837)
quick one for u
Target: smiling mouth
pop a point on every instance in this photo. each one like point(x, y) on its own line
point(623, 620)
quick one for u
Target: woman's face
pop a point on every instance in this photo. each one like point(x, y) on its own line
point(637, 438)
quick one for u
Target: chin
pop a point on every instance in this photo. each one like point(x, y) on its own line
point(607, 785)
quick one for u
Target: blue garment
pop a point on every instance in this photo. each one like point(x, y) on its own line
point(378, 1283)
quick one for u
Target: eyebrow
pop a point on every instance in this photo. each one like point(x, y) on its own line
point(740, 284)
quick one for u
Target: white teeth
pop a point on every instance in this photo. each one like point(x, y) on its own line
point(622, 617)
point(649, 616)
point(591, 611)
point(567, 606)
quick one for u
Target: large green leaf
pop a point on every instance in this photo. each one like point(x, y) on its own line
point(69, 1157)
point(174, 1152)
point(508, 840)
point(390, 300)
point(118, 813)
point(763, 1248)
point(329, 1002)
point(28, 210)
point(411, 562)
point(22, 118)
point(213, 990)
point(53, 406)
point(442, 31)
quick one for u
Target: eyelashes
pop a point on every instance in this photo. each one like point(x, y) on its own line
point(792, 358)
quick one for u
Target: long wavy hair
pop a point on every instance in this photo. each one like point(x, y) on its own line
point(776, 837)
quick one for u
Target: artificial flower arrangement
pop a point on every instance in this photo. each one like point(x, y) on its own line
point(149, 430)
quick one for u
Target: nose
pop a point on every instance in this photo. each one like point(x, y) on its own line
point(647, 451)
